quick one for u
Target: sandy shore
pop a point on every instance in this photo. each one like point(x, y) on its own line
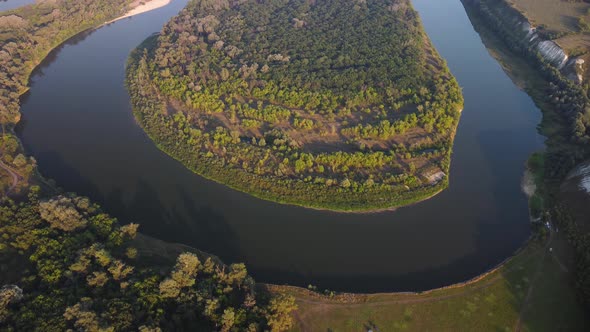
point(142, 7)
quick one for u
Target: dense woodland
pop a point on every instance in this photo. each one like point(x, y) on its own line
point(77, 269)
point(332, 104)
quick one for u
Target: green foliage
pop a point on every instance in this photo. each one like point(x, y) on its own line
point(80, 279)
point(250, 93)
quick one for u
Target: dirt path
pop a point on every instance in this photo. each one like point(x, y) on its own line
point(15, 176)
point(561, 265)
point(527, 298)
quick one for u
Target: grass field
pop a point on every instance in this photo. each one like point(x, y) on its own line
point(556, 15)
point(529, 293)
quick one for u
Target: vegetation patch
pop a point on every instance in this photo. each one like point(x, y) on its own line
point(82, 271)
point(290, 101)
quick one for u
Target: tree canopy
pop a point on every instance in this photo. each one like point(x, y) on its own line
point(79, 269)
point(341, 104)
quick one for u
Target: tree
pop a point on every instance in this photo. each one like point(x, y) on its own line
point(345, 183)
point(9, 294)
point(186, 268)
point(20, 160)
point(227, 319)
point(169, 288)
point(61, 213)
point(279, 312)
point(84, 318)
point(119, 270)
point(130, 230)
point(97, 279)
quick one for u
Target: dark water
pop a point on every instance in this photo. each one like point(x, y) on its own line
point(78, 124)
point(11, 4)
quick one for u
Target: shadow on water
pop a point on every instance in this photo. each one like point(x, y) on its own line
point(186, 222)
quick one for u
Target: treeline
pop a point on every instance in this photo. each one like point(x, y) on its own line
point(79, 270)
point(260, 89)
point(27, 34)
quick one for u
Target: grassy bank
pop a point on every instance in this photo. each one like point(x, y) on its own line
point(530, 291)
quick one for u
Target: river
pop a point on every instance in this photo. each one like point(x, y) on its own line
point(77, 122)
point(12, 4)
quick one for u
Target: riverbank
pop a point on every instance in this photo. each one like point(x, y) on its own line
point(502, 299)
point(40, 53)
point(137, 7)
point(562, 152)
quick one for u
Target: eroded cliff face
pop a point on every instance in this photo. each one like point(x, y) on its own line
point(548, 49)
point(519, 29)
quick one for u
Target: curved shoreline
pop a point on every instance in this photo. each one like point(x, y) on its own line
point(276, 287)
point(140, 9)
point(377, 211)
point(346, 296)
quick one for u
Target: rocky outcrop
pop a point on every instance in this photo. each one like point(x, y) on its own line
point(552, 53)
point(578, 179)
point(574, 70)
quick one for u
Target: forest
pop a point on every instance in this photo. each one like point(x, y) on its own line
point(291, 101)
point(66, 265)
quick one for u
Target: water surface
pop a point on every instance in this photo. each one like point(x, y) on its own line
point(77, 122)
point(11, 4)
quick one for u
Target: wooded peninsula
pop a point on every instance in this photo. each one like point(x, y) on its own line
point(341, 105)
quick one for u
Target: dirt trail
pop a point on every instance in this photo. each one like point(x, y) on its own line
point(527, 298)
point(15, 176)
